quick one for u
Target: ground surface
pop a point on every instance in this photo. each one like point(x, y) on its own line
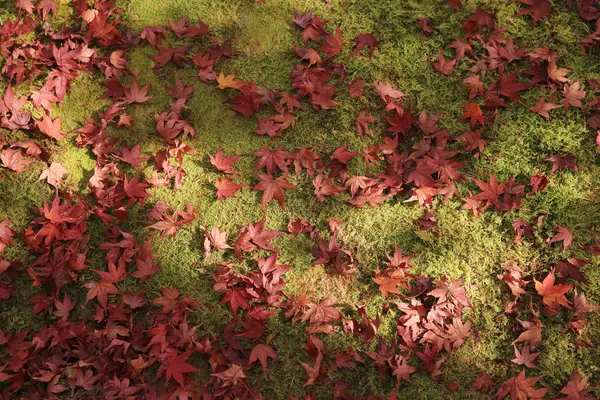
point(474, 248)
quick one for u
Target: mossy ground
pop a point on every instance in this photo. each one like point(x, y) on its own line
point(474, 248)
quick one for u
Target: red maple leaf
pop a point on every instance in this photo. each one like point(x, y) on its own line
point(333, 45)
point(225, 188)
point(254, 236)
point(205, 64)
point(386, 91)
point(458, 331)
point(571, 268)
point(573, 95)
point(229, 81)
point(63, 308)
point(169, 225)
point(285, 119)
point(168, 300)
point(455, 4)
point(6, 235)
point(196, 31)
point(46, 7)
point(135, 190)
point(44, 97)
point(180, 56)
point(136, 300)
point(100, 289)
point(325, 187)
point(479, 20)
point(557, 74)
point(403, 370)
point(132, 156)
point(54, 174)
point(552, 293)
point(115, 273)
point(272, 159)
point(222, 163)
point(260, 352)
point(355, 182)
point(290, 101)
point(461, 48)
point(482, 383)
point(313, 371)
point(426, 25)
point(323, 98)
point(117, 60)
point(273, 188)
point(539, 9)
point(365, 40)
point(343, 156)
point(520, 387)
point(473, 112)
point(532, 334)
point(50, 128)
point(180, 91)
point(576, 388)
point(25, 5)
point(231, 376)
point(308, 54)
point(144, 263)
point(13, 160)
point(163, 56)
point(442, 65)
point(179, 28)
point(362, 123)
point(474, 84)
point(125, 120)
point(563, 235)
point(215, 239)
point(268, 127)
point(303, 20)
point(154, 35)
point(6, 290)
point(115, 90)
point(542, 108)
point(246, 103)
point(389, 281)
point(356, 88)
point(562, 162)
point(510, 88)
point(236, 297)
point(321, 313)
point(299, 226)
point(525, 357)
point(175, 366)
point(136, 95)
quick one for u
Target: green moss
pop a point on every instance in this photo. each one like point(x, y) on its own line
point(287, 372)
point(219, 16)
point(422, 385)
point(521, 140)
point(570, 199)
point(21, 193)
point(558, 358)
point(64, 14)
point(82, 100)
point(77, 161)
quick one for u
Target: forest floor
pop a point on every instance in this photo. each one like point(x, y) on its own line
point(457, 244)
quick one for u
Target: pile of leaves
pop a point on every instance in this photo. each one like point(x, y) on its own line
point(135, 346)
